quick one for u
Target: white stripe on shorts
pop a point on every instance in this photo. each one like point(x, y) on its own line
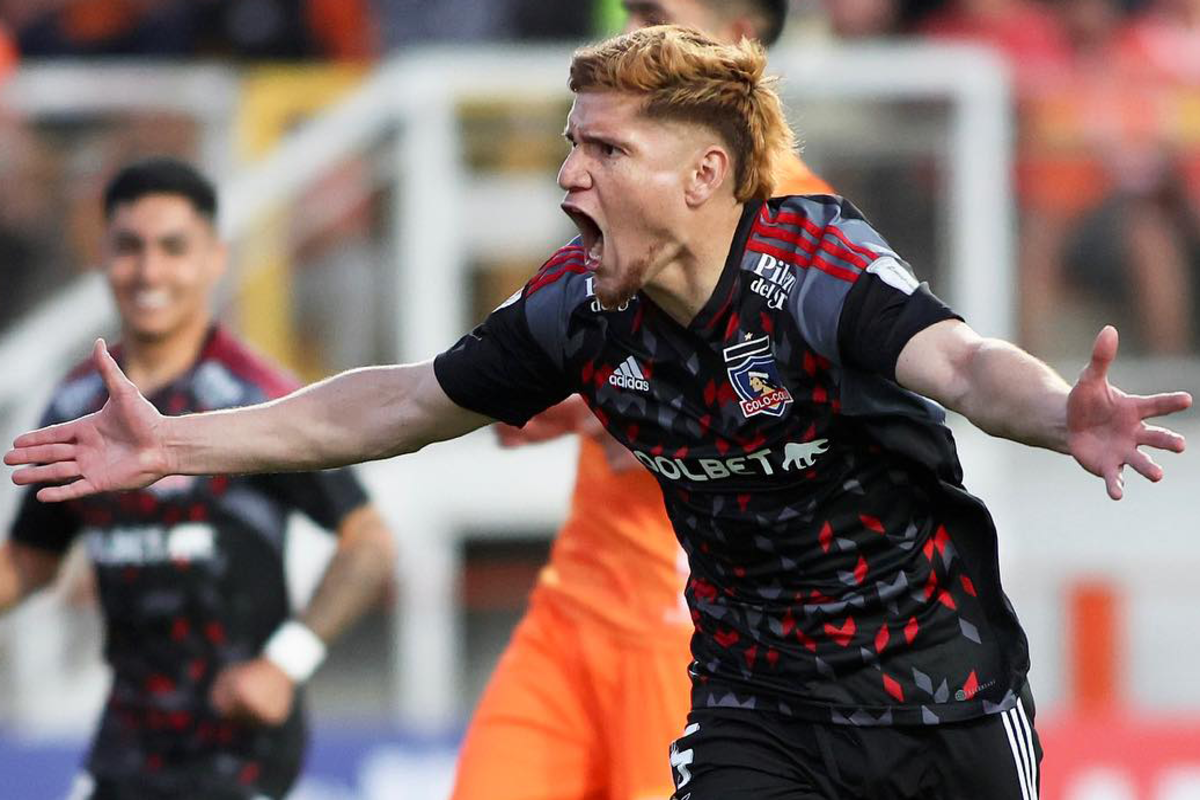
point(1030, 751)
point(1014, 743)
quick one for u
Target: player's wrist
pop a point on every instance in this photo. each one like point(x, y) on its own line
point(296, 650)
point(169, 446)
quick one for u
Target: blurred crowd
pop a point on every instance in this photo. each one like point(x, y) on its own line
point(1108, 98)
point(1107, 93)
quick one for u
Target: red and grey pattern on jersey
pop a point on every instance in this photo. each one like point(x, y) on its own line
point(839, 570)
point(190, 576)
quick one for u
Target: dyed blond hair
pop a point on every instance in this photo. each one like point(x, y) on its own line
point(688, 77)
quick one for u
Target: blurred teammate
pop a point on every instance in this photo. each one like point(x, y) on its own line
point(207, 663)
point(852, 639)
point(607, 617)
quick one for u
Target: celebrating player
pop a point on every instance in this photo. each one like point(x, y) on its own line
point(207, 664)
point(851, 635)
point(606, 618)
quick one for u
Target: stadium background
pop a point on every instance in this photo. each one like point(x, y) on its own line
point(387, 169)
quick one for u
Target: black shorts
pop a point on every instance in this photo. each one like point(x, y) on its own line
point(739, 754)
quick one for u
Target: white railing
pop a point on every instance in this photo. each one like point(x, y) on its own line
point(440, 221)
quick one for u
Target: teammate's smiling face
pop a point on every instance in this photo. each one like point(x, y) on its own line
point(163, 259)
point(626, 182)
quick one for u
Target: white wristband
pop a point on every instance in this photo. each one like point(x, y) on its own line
point(296, 650)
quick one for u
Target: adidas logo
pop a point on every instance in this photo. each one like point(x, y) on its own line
point(629, 376)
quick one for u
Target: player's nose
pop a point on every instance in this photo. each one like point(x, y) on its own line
point(573, 173)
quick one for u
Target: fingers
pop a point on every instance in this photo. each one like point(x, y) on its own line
point(47, 473)
point(52, 434)
point(1114, 481)
point(1145, 466)
point(1103, 352)
point(1161, 438)
point(1157, 405)
point(72, 491)
point(221, 697)
point(114, 379)
point(41, 454)
point(507, 435)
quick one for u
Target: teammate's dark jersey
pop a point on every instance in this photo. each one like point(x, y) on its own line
point(190, 575)
point(839, 569)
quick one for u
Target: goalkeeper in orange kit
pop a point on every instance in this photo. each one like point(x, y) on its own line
point(593, 687)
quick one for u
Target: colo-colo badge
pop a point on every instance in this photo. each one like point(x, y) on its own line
point(755, 378)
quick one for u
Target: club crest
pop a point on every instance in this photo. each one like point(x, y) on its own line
point(755, 378)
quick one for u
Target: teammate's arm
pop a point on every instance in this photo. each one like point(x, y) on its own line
point(24, 570)
point(360, 415)
point(1007, 392)
point(263, 689)
point(361, 567)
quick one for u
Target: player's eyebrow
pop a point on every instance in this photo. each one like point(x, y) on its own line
point(582, 137)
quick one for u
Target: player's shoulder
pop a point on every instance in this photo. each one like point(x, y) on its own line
point(564, 269)
point(819, 233)
point(229, 372)
point(810, 210)
point(561, 285)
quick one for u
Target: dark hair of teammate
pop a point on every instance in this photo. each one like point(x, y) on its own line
point(769, 15)
point(774, 15)
point(161, 175)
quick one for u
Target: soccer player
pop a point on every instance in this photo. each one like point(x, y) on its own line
point(607, 616)
point(851, 635)
point(208, 663)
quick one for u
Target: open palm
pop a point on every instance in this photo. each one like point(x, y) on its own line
point(1106, 427)
point(118, 447)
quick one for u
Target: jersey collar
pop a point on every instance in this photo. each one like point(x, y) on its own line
point(719, 303)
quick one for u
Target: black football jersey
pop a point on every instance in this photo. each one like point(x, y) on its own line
point(839, 570)
point(190, 576)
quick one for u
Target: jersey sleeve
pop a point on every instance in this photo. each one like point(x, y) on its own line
point(326, 497)
point(512, 366)
point(858, 303)
point(46, 526)
point(882, 314)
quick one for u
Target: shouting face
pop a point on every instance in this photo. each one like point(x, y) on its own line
point(626, 180)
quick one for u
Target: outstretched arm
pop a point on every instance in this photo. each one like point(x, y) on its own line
point(360, 415)
point(1007, 392)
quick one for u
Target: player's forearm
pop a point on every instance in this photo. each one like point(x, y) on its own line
point(1009, 393)
point(23, 572)
point(355, 577)
point(360, 415)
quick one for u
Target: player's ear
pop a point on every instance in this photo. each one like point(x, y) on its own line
point(709, 173)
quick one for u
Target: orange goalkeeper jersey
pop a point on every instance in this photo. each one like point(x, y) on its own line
point(616, 558)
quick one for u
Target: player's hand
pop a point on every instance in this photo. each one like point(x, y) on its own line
point(256, 690)
point(570, 416)
point(1105, 426)
point(118, 447)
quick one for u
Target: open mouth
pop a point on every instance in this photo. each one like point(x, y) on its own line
point(592, 238)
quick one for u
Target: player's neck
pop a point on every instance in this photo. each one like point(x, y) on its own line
point(153, 363)
point(683, 287)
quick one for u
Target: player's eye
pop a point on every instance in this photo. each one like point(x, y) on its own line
point(174, 247)
point(127, 245)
